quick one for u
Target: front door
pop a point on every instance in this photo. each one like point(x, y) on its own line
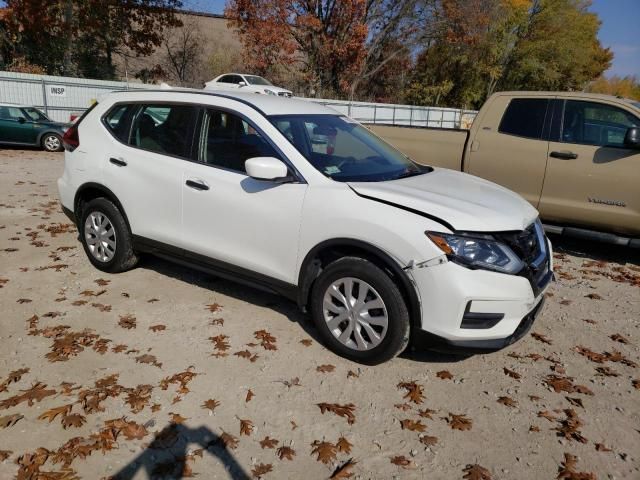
point(592, 178)
point(232, 218)
point(510, 148)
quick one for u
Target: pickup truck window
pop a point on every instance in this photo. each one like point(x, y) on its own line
point(592, 123)
point(524, 117)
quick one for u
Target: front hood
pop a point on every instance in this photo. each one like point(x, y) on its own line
point(465, 202)
point(275, 89)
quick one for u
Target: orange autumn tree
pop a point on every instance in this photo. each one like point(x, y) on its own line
point(326, 38)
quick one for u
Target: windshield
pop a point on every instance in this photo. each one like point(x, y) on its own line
point(344, 150)
point(255, 80)
point(35, 114)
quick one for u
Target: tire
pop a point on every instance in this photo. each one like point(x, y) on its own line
point(52, 142)
point(105, 237)
point(375, 284)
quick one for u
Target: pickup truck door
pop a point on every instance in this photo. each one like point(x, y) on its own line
point(592, 178)
point(509, 146)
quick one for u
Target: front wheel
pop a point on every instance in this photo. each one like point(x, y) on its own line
point(52, 142)
point(360, 311)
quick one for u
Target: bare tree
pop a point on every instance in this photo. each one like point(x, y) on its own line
point(183, 54)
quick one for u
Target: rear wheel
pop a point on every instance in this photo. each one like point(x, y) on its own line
point(360, 312)
point(105, 237)
point(52, 142)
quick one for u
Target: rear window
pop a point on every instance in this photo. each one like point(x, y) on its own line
point(164, 128)
point(524, 117)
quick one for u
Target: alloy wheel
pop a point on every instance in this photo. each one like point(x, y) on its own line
point(355, 313)
point(100, 236)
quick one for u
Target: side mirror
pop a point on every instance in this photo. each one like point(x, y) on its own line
point(632, 138)
point(242, 84)
point(267, 168)
point(21, 120)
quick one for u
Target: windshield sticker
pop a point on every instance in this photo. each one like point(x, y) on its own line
point(331, 170)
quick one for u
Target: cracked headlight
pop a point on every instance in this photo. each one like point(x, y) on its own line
point(480, 251)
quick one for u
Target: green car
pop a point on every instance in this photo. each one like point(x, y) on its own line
point(23, 125)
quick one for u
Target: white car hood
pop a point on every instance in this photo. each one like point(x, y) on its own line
point(463, 201)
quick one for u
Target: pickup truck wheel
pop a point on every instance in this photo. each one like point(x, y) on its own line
point(52, 142)
point(105, 237)
point(360, 312)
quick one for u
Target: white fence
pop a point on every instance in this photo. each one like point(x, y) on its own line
point(62, 97)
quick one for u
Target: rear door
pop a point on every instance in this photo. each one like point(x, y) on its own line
point(247, 226)
point(144, 164)
point(510, 145)
point(592, 178)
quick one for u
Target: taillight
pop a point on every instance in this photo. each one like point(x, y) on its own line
point(71, 138)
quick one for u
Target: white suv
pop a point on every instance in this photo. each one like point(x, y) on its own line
point(377, 248)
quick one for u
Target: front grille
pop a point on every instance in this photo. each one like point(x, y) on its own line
point(530, 245)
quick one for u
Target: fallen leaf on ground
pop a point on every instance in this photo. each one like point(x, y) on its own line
point(261, 469)
point(343, 445)
point(414, 426)
point(414, 391)
point(325, 368)
point(459, 422)
point(246, 427)
point(285, 452)
point(10, 420)
point(340, 410)
point(267, 442)
point(343, 471)
point(476, 472)
point(325, 451)
point(402, 461)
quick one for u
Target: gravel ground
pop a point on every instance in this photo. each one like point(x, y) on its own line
point(163, 372)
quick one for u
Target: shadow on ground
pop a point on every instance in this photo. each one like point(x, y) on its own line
point(169, 454)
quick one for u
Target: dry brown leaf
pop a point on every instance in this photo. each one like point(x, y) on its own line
point(228, 441)
point(402, 461)
point(459, 422)
point(601, 447)
point(261, 469)
point(214, 307)
point(52, 413)
point(249, 396)
point(127, 321)
point(285, 452)
point(414, 391)
point(511, 373)
point(428, 441)
point(569, 427)
point(607, 372)
point(34, 394)
point(10, 420)
point(508, 401)
point(593, 296)
point(567, 470)
point(157, 328)
point(343, 471)
point(548, 415)
point(343, 445)
point(177, 418)
point(149, 359)
point(306, 342)
point(476, 472)
point(575, 401)
point(616, 337)
point(74, 420)
point(325, 368)
point(211, 404)
point(340, 410)
point(325, 451)
point(541, 338)
point(268, 442)
point(444, 375)
point(426, 413)
point(246, 427)
point(414, 426)
point(4, 454)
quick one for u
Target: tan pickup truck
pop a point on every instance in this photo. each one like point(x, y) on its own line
point(574, 156)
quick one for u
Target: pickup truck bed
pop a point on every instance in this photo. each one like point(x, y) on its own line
point(573, 156)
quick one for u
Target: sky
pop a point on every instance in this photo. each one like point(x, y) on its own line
point(619, 30)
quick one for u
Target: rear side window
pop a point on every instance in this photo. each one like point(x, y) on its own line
point(524, 117)
point(164, 129)
point(591, 123)
point(118, 121)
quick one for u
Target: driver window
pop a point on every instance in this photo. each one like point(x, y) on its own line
point(228, 141)
point(591, 123)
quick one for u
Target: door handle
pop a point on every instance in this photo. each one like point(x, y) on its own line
point(120, 163)
point(564, 155)
point(197, 185)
